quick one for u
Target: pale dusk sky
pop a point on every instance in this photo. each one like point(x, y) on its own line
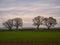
point(28, 9)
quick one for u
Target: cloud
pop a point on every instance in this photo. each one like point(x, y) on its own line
point(49, 0)
point(34, 7)
point(7, 1)
point(7, 9)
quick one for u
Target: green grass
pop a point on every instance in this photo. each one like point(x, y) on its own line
point(28, 35)
point(13, 36)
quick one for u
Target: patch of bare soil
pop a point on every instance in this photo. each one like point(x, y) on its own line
point(31, 42)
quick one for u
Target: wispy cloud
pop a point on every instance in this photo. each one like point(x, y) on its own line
point(7, 9)
point(7, 1)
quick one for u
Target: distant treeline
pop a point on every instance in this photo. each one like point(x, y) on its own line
point(37, 21)
point(32, 29)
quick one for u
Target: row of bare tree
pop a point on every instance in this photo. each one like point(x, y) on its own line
point(37, 21)
point(16, 22)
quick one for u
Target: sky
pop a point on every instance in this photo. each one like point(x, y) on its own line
point(28, 9)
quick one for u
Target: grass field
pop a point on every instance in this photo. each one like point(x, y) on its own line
point(29, 38)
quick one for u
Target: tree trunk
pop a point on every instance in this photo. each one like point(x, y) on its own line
point(48, 27)
point(10, 28)
point(38, 27)
point(16, 27)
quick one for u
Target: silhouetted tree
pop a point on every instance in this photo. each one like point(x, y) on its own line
point(37, 21)
point(17, 22)
point(8, 24)
point(50, 22)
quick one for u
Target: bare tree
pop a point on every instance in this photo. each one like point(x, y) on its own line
point(8, 24)
point(18, 22)
point(37, 21)
point(50, 22)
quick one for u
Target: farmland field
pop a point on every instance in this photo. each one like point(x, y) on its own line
point(29, 38)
